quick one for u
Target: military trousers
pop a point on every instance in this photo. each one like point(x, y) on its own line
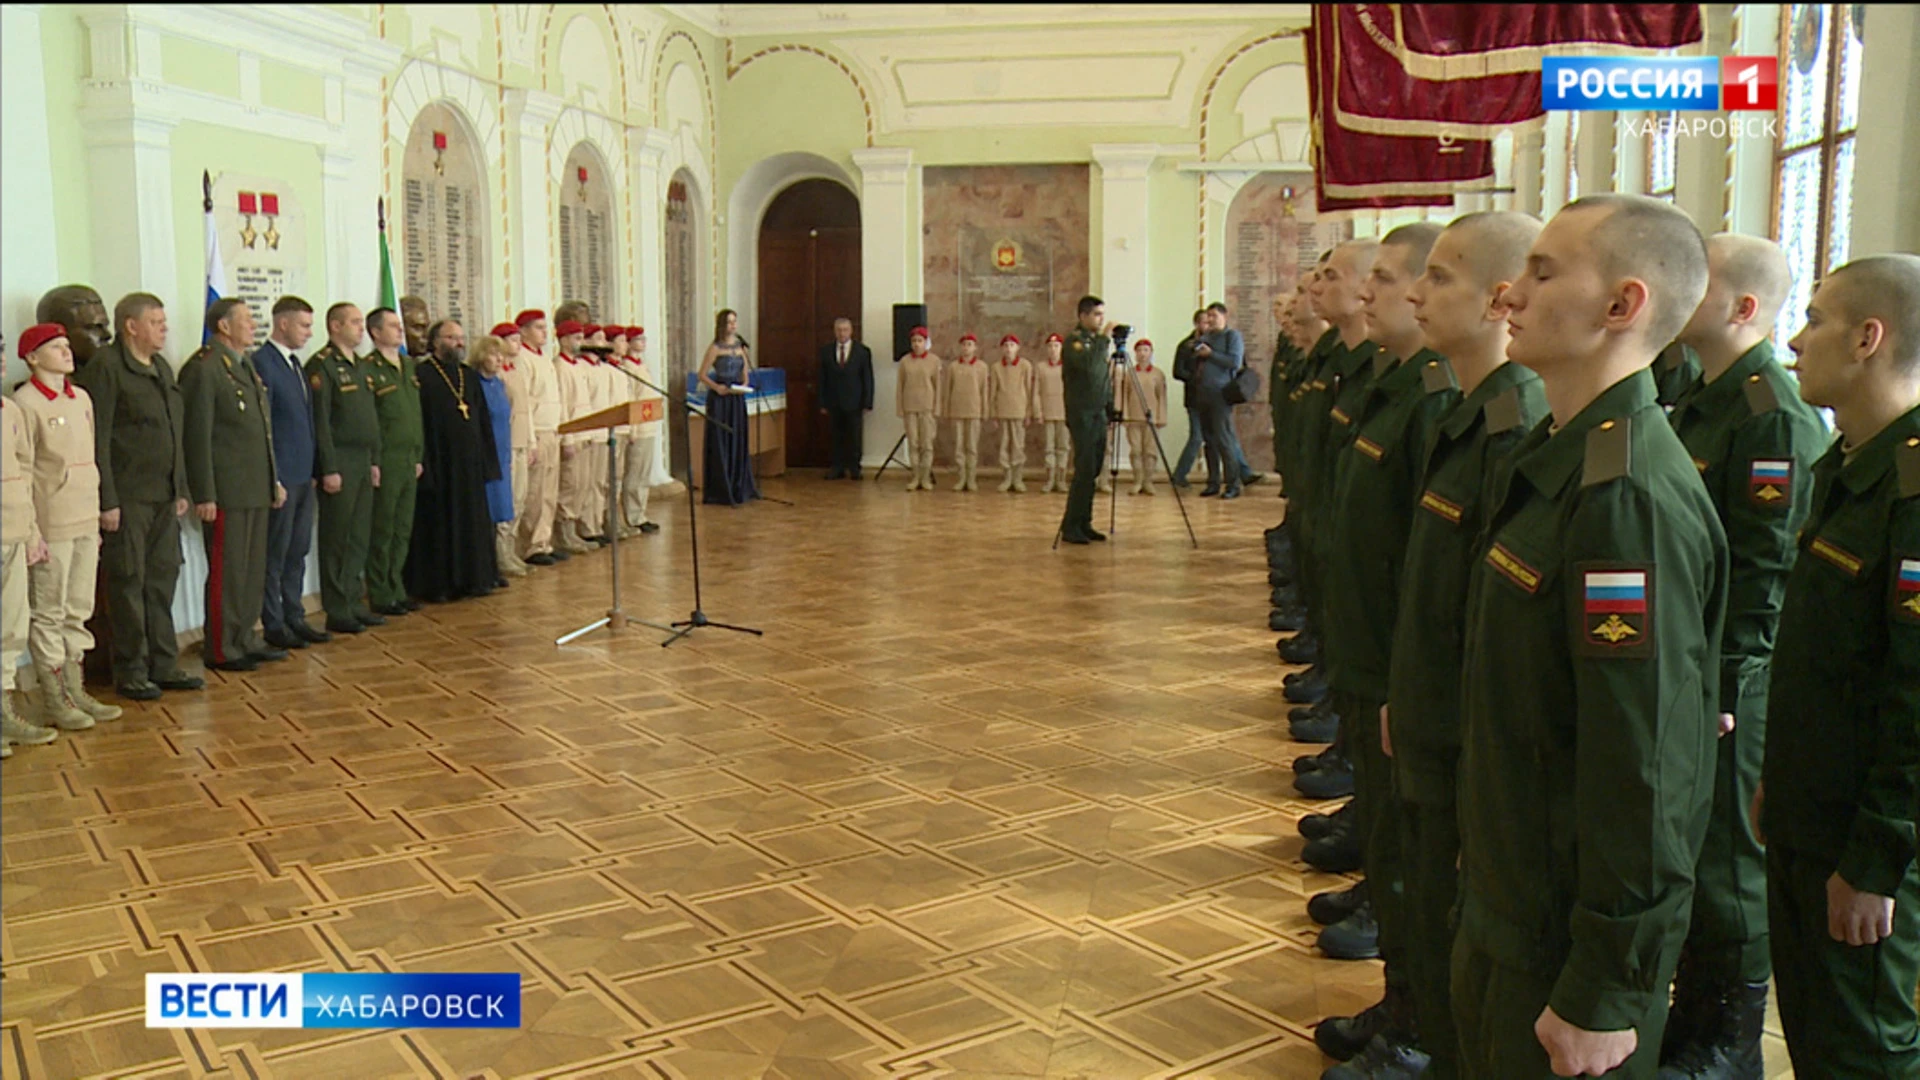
point(543, 495)
point(1142, 454)
point(142, 558)
point(920, 433)
point(1059, 444)
point(390, 529)
point(1495, 1007)
point(346, 535)
point(289, 536)
point(966, 443)
point(1013, 444)
point(1376, 807)
point(1847, 1010)
point(15, 620)
point(60, 590)
point(1727, 940)
point(1089, 452)
point(236, 582)
point(1430, 851)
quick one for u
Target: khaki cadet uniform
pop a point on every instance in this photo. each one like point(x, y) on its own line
point(346, 440)
point(917, 399)
point(66, 510)
point(396, 398)
point(19, 532)
point(576, 481)
point(642, 447)
point(520, 425)
point(140, 423)
point(963, 397)
point(1012, 407)
point(1050, 408)
point(1588, 701)
point(543, 467)
point(1088, 379)
point(1843, 765)
point(1141, 448)
point(1754, 442)
point(1423, 681)
point(229, 450)
point(599, 395)
point(1675, 371)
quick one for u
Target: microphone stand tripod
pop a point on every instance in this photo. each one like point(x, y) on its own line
point(698, 618)
point(897, 443)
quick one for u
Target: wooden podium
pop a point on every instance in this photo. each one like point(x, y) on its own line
point(610, 420)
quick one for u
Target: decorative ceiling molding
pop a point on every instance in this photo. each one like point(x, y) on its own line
point(866, 100)
point(779, 20)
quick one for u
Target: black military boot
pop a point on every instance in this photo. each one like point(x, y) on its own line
point(1390, 1056)
point(1291, 677)
point(1285, 596)
point(1302, 648)
point(1342, 1037)
point(1356, 937)
point(1321, 826)
point(1328, 908)
point(1287, 620)
point(1333, 780)
point(1691, 1002)
point(1306, 690)
point(1726, 1044)
point(1338, 852)
point(1331, 757)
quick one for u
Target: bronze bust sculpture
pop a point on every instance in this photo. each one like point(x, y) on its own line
point(79, 309)
point(414, 318)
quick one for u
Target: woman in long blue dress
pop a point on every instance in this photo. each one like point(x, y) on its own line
point(724, 372)
point(489, 353)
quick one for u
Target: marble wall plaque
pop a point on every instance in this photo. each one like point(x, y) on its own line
point(263, 244)
point(686, 338)
point(1273, 236)
point(585, 239)
point(442, 232)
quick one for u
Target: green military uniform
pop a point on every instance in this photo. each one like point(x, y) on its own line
point(396, 399)
point(1675, 371)
point(139, 419)
point(1339, 382)
point(1373, 487)
point(1423, 683)
point(346, 440)
point(1286, 357)
point(1754, 442)
point(1088, 384)
point(1588, 701)
point(229, 453)
point(1843, 767)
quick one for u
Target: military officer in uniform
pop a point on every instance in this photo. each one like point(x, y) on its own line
point(1461, 311)
point(396, 400)
point(1088, 380)
point(1588, 696)
point(346, 435)
point(229, 450)
point(1754, 442)
point(1843, 762)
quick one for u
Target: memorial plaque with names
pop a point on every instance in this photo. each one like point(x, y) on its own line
point(442, 235)
point(683, 318)
point(586, 246)
point(263, 244)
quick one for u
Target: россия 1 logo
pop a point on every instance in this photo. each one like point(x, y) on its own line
point(1661, 84)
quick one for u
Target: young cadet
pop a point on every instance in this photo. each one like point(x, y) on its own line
point(917, 397)
point(642, 447)
point(571, 524)
point(20, 548)
point(1012, 407)
point(963, 400)
point(1141, 451)
point(66, 511)
point(1843, 763)
point(543, 456)
point(346, 430)
point(1460, 305)
point(1588, 696)
point(1050, 409)
point(1374, 477)
point(1754, 442)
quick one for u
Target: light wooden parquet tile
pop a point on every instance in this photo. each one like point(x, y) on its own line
point(972, 808)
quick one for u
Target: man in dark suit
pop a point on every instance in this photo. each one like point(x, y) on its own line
point(290, 528)
point(846, 396)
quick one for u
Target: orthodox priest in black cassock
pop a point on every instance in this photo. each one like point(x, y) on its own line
point(452, 552)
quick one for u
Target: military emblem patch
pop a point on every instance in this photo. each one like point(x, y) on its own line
point(1906, 590)
point(1616, 611)
point(1770, 481)
point(1837, 555)
point(1513, 568)
point(1450, 512)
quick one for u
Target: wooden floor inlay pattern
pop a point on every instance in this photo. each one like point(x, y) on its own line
point(971, 808)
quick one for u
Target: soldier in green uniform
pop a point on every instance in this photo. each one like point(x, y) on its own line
point(396, 400)
point(1588, 688)
point(1410, 387)
point(229, 452)
point(1089, 391)
point(1754, 442)
point(346, 439)
point(139, 421)
point(1843, 763)
point(1675, 371)
point(1461, 311)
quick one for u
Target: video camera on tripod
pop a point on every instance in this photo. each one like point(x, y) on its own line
point(1119, 332)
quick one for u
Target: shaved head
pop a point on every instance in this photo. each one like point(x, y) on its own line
point(1494, 244)
point(1355, 256)
point(1885, 288)
point(1638, 237)
point(1752, 266)
point(1417, 241)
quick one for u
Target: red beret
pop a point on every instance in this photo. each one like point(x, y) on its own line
point(636, 331)
point(968, 337)
point(568, 328)
point(1051, 338)
point(529, 315)
point(1143, 341)
point(505, 329)
point(36, 336)
point(593, 328)
point(1008, 338)
point(918, 331)
point(615, 331)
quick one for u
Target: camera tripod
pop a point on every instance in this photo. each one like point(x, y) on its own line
point(1116, 430)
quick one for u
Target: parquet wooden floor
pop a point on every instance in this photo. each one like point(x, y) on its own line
point(971, 808)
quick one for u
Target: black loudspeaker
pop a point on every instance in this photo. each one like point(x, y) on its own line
point(905, 318)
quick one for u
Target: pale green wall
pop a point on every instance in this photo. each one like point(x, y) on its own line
point(785, 103)
point(1226, 130)
point(67, 63)
point(196, 65)
point(295, 91)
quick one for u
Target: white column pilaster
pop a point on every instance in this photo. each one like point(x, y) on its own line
point(531, 114)
point(889, 228)
point(30, 244)
point(1123, 228)
point(1886, 188)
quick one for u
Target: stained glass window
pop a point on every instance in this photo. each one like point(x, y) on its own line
point(1663, 149)
point(1820, 54)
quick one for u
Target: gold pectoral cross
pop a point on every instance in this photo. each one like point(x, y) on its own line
point(463, 410)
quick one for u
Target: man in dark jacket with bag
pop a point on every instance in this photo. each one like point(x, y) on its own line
point(1217, 358)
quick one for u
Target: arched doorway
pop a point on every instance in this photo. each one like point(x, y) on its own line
point(809, 276)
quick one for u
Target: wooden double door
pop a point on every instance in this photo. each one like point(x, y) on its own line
point(809, 276)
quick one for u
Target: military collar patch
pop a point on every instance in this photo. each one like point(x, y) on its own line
point(1513, 568)
point(1436, 376)
point(1837, 555)
point(1609, 452)
point(1770, 482)
point(1760, 395)
point(1907, 457)
point(1617, 611)
point(1448, 511)
point(1503, 412)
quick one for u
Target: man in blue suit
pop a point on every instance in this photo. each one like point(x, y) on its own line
point(289, 529)
point(1217, 356)
point(846, 396)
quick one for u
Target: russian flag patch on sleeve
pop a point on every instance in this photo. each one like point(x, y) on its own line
point(1906, 590)
point(1617, 609)
point(1770, 482)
